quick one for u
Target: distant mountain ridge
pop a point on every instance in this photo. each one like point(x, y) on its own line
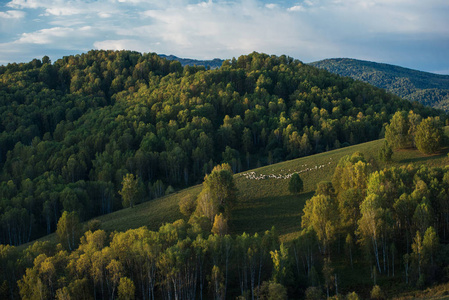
point(213, 63)
point(427, 88)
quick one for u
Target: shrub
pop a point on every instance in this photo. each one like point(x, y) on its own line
point(295, 185)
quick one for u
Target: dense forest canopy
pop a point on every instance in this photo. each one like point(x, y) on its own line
point(426, 88)
point(71, 130)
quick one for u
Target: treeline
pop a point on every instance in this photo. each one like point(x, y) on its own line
point(176, 262)
point(71, 130)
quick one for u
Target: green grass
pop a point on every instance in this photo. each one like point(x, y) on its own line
point(152, 214)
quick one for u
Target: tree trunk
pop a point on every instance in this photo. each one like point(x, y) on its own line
point(376, 254)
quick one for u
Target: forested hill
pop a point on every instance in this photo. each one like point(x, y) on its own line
point(426, 88)
point(213, 63)
point(71, 130)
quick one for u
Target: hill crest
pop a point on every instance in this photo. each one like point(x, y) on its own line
point(427, 88)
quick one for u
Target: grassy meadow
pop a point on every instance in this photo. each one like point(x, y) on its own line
point(267, 202)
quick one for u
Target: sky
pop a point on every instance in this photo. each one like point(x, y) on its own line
point(408, 33)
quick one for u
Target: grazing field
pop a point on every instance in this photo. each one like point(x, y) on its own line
point(263, 203)
point(152, 214)
point(266, 202)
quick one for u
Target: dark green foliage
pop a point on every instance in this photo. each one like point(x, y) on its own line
point(270, 290)
point(71, 130)
point(426, 88)
point(295, 185)
point(212, 64)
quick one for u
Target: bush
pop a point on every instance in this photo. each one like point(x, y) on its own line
point(314, 293)
point(376, 293)
point(352, 296)
point(93, 225)
point(169, 190)
point(270, 290)
point(187, 205)
point(295, 185)
point(385, 152)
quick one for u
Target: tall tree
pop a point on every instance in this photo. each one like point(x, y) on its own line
point(130, 191)
point(219, 192)
point(321, 213)
point(397, 132)
point(68, 230)
point(369, 224)
point(429, 135)
point(220, 226)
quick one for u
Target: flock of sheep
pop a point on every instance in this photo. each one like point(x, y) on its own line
point(254, 176)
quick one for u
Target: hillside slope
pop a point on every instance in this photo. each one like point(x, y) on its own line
point(263, 203)
point(71, 130)
point(426, 88)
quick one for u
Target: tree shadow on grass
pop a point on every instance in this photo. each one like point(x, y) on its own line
point(422, 159)
point(282, 212)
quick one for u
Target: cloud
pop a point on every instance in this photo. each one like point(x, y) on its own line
point(380, 30)
point(25, 4)
point(296, 8)
point(116, 44)
point(12, 14)
point(64, 37)
point(64, 11)
point(44, 36)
